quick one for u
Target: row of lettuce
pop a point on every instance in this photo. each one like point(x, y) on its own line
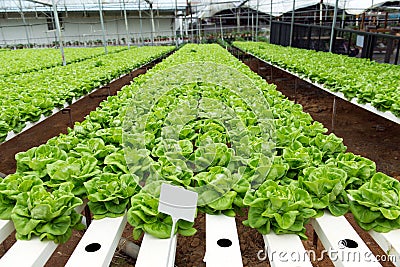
point(284, 175)
point(28, 96)
point(368, 81)
point(28, 60)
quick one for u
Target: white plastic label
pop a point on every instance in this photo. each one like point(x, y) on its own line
point(178, 202)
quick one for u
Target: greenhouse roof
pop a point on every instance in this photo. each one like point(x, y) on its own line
point(204, 8)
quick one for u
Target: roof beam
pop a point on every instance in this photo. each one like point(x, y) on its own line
point(45, 3)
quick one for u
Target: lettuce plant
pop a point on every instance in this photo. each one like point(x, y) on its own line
point(11, 187)
point(376, 204)
point(281, 208)
point(47, 215)
point(326, 185)
point(109, 194)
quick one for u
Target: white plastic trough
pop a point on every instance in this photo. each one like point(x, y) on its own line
point(344, 246)
point(222, 242)
point(282, 250)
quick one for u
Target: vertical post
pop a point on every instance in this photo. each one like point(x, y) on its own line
point(199, 28)
point(248, 16)
point(333, 113)
point(181, 27)
point(258, 3)
point(191, 22)
point(252, 26)
point(152, 24)
point(292, 24)
point(220, 25)
point(102, 28)
point(2, 35)
point(238, 19)
point(158, 20)
point(175, 29)
point(126, 25)
point(57, 21)
point(270, 18)
point(344, 15)
point(333, 27)
point(320, 13)
point(24, 21)
point(141, 24)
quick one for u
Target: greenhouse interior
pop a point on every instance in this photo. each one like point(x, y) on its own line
point(210, 133)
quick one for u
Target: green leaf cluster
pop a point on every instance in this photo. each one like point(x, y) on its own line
point(47, 215)
point(282, 208)
point(376, 204)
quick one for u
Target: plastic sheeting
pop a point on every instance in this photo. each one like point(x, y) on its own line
point(204, 8)
point(87, 5)
point(279, 7)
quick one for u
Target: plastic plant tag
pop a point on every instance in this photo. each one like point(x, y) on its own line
point(180, 204)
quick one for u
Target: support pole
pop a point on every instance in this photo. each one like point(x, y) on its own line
point(199, 29)
point(141, 24)
point(292, 24)
point(2, 35)
point(152, 24)
point(333, 113)
point(333, 27)
point(258, 3)
point(191, 22)
point(252, 26)
point(175, 29)
point(270, 18)
point(102, 27)
point(344, 15)
point(320, 13)
point(24, 21)
point(238, 19)
point(58, 28)
point(126, 25)
point(220, 25)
